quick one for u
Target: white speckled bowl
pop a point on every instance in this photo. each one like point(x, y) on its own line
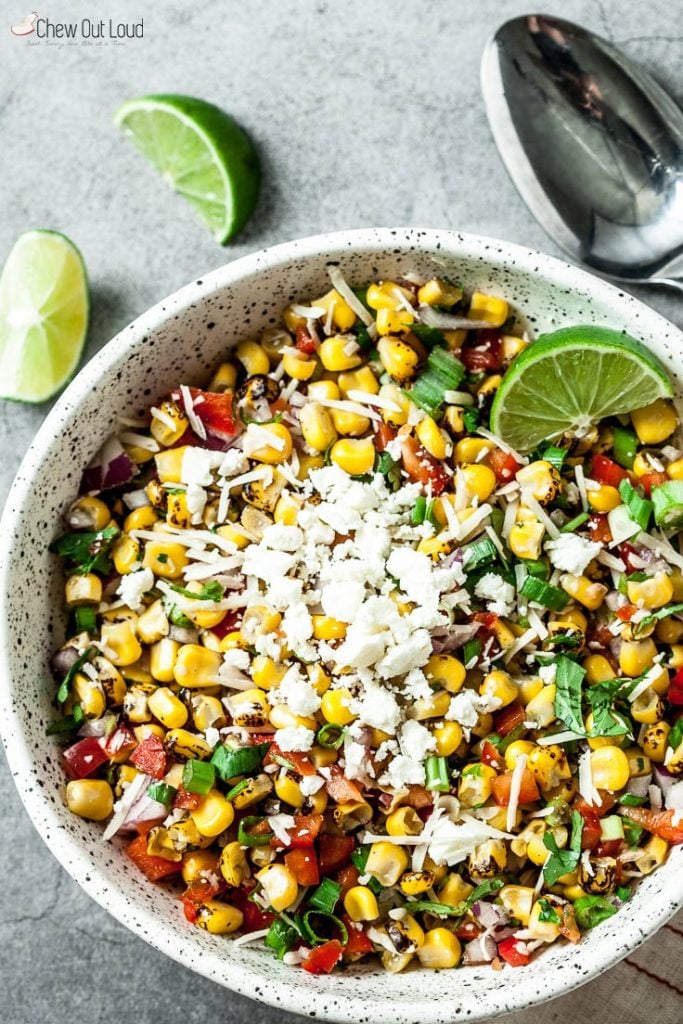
point(179, 341)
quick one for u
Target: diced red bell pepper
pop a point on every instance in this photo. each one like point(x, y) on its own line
point(305, 342)
point(214, 409)
point(347, 878)
point(187, 801)
point(675, 692)
point(568, 926)
point(423, 467)
point(154, 868)
point(358, 943)
point(120, 742)
point(659, 823)
point(468, 930)
point(502, 784)
point(83, 758)
point(340, 788)
point(508, 718)
point(609, 848)
point(490, 756)
point(650, 480)
point(626, 552)
point(190, 910)
point(198, 892)
point(483, 351)
point(503, 464)
point(419, 798)
point(513, 953)
point(335, 852)
point(230, 623)
point(303, 864)
point(304, 833)
point(384, 433)
point(486, 620)
point(626, 612)
point(255, 918)
point(598, 525)
point(300, 762)
point(606, 471)
point(323, 959)
point(150, 757)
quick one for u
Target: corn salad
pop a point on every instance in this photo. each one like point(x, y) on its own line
point(355, 678)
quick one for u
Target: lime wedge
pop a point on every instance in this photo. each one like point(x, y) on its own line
point(572, 378)
point(43, 316)
point(201, 152)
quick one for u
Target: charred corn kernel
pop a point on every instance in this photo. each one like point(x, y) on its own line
point(218, 918)
point(225, 377)
point(177, 512)
point(317, 426)
point(88, 513)
point(404, 821)
point(120, 642)
point(82, 590)
point(446, 671)
point(500, 685)
point(585, 591)
point(360, 903)
point(549, 766)
point(90, 798)
point(196, 666)
point(480, 480)
point(434, 547)
point(162, 659)
point(398, 358)
point(167, 708)
point(489, 308)
point(90, 694)
point(414, 883)
point(526, 535)
point(448, 738)
point(153, 623)
point(343, 316)
point(183, 743)
point(440, 950)
point(165, 559)
point(654, 592)
point(648, 707)
point(435, 706)
point(327, 628)
point(609, 767)
point(207, 712)
point(433, 438)
point(503, 633)
point(362, 379)
point(197, 864)
point(135, 707)
point(253, 357)
point(233, 864)
point(386, 862)
point(518, 901)
point(355, 457)
point(516, 749)
point(213, 815)
point(638, 762)
point(489, 386)
point(396, 416)
point(388, 295)
point(266, 673)
point(256, 789)
point(539, 479)
point(279, 886)
point(340, 352)
point(437, 292)
point(472, 450)
point(597, 668)
point(231, 533)
point(288, 790)
point(636, 656)
point(529, 688)
point(655, 741)
point(604, 498)
point(250, 708)
point(652, 854)
point(299, 366)
point(169, 423)
point(111, 681)
point(394, 321)
point(126, 554)
point(548, 931)
point(453, 419)
point(349, 424)
point(474, 787)
point(283, 718)
point(674, 470)
point(655, 422)
point(335, 707)
point(277, 447)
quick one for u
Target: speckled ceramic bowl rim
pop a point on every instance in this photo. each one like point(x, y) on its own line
point(475, 1003)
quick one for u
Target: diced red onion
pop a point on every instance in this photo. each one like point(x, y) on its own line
point(448, 322)
point(639, 785)
point(63, 660)
point(480, 950)
point(488, 914)
point(451, 638)
point(97, 726)
point(183, 635)
point(111, 467)
point(614, 600)
point(664, 779)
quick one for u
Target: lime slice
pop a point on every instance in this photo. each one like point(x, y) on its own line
point(572, 378)
point(201, 152)
point(43, 316)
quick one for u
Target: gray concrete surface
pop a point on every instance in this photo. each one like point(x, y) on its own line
point(365, 113)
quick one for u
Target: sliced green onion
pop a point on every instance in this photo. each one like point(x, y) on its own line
point(65, 687)
point(237, 789)
point(417, 516)
point(177, 617)
point(211, 591)
point(162, 793)
point(198, 776)
point(281, 937)
point(623, 893)
point(436, 770)
point(631, 800)
point(326, 896)
point(85, 619)
point(331, 736)
point(450, 370)
point(667, 500)
point(625, 447)
point(555, 456)
point(247, 838)
point(310, 933)
point(471, 650)
point(639, 508)
point(470, 419)
point(545, 594)
point(430, 336)
point(359, 857)
point(430, 514)
point(439, 909)
point(575, 523)
point(230, 762)
point(537, 567)
point(427, 392)
point(481, 552)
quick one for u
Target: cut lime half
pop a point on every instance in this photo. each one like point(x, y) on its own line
point(572, 378)
point(201, 152)
point(43, 316)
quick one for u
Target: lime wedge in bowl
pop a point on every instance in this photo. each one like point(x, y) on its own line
point(43, 316)
point(572, 378)
point(201, 152)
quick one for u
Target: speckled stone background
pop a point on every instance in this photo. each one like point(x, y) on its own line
point(365, 113)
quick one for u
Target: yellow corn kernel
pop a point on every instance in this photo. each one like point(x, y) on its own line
point(398, 358)
point(162, 659)
point(360, 903)
point(340, 352)
point(317, 426)
point(324, 389)
point(669, 631)
point(526, 535)
point(165, 559)
point(233, 864)
point(652, 854)
point(440, 950)
point(319, 679)
point(434, 547)
point(288, 789)
point(404, 821)
point(170, 464)
point(90, 694)
point(153, 623)
point(609, 767)
point(225, 377)
point(453, 419)
point(213, 815)
point(489, 308)
point(396, 416)
point(446, 671)
point(540, 479)
point(283, 718)
point(432, 438)
point(529, 688)
point(266, 673)
point(196, 666)
point(454, 889)
point(435, 706)
point(354, 456)
point(253, 357)
point(207, 712)
point(343, 317)
point(654, 592)
point(549, 766)
point(516, 749)
point(676, 656)
point(90, 798)
point(327, 628)
point(636, 656)
point(656, 740)
point(499, 684)
point(512, 346)
point(277, 447)
point(219, 918)
point(394, 321)
point(480, 480)
point(299, 366)
point(655, 422)
point(182, 743)
point(517, 900)
point(472, 450)
point(83, 589)
point(120, 642)
point(231, 533)
point(197, 864)
point(674, 469)
point(259, 620)
point(335, 707)
point(638, 763)
point(474, 787)
point(126, 554)
point(350, 815)
point(135, 703)
point(167, 708)
point(287, 510)
point(648, 707)
point(387, 295)
point(437, 292)
point(169, 423)
point(546, 930)
point(597, 668)
point(349, 424)
point(88, 513)
point(279, 886)
point(386, 862)
point(448, 738)
point(489, 386)
point(362, 379)
point(602, 741)
point(604, 498)
point(583, 590)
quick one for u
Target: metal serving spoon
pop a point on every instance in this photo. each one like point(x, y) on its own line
point(594, 145)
